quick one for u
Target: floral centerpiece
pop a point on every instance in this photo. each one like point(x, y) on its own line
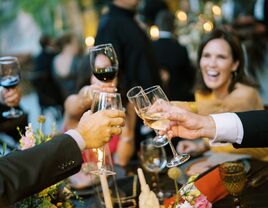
point(188, 196)
point(57, 195)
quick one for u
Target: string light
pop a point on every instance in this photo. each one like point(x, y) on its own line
point(89, 41)
point(208, 26)
point(154, 32)
point(216, 10)
point(181, 15)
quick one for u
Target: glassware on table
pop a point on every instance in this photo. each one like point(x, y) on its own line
point(103, 61)
point(234, 179)
point(9, 78)
point(104, 101)
point(153, 159)
point(142, 101)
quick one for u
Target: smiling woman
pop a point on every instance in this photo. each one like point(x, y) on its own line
point(223, 86)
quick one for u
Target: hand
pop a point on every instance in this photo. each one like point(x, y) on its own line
point(164, 106)
point(190, 125)
point(11, 97)
point(192, 148)
point(187, 147)
point(97, 128)
point(86, 93)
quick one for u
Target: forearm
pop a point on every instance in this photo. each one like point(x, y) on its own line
point(26, 172)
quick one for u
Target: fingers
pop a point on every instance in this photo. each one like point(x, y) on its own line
point(115, 130)
point(114, 113)
point(117, 122)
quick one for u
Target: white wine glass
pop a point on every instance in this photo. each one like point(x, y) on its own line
point(10, 78)
point(143, 101)
point(103, 62)
point(105, 101)
point(136, 96)
point(153, 159)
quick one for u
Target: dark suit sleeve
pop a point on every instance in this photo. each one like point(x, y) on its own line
point(255, 125)
point(23, 173)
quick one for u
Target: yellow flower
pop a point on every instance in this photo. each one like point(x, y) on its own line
point(174, 173)
point(43, 193)
point(41, 119)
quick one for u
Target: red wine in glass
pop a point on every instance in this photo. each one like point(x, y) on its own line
point(10, 78)
point(103, 62)
point(105, 74)
point(10, 81)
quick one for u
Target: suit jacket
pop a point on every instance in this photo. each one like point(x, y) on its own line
point(23, 173)
point(255, 125)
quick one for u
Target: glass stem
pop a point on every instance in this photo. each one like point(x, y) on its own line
point(237, 203)
point(12, 111)
point(175, 154)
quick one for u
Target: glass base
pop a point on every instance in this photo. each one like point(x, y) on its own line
point(160, 141)
point(178, 160)
point(12, 113)
point(102, 172)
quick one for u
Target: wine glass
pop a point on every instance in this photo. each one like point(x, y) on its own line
point(142, 101)
point(158, 122)
point(103, 61)
point(9, 78)
point(104, 101)
point(153, 159)
point(234, 179)
point(141, 105)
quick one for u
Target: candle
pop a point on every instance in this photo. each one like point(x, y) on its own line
point(106, 192)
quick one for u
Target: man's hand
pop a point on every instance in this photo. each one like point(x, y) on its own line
point(190, 125)
point(97, 129)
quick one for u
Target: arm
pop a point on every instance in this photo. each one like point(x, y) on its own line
point(23, 173)
point(26, 172)
point(255, 125)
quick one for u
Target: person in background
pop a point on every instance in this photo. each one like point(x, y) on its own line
point(222, 86)
point(175, 70)
point(137, 63)
point(121, 147)
point(20, 178)
point(66, 64)
point(48, 94)
point(11, 98)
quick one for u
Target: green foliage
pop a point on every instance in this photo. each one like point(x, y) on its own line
point(43, 12)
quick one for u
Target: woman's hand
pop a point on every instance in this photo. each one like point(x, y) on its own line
point(11, 97)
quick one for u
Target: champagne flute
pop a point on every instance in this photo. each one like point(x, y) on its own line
point(9, 78)
point(140, 105)
point(234, 179)
point(105, 101)
point(103, 61)
point(142, 101)
point(158, 122)
point(153, 159)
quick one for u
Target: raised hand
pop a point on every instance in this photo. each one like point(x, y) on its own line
point(97, 129)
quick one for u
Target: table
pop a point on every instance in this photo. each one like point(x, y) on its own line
point(251, 197)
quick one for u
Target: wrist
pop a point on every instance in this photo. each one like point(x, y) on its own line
point(209, 128)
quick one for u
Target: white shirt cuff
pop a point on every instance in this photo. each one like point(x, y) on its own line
point(229, 128)
point(77, 137)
